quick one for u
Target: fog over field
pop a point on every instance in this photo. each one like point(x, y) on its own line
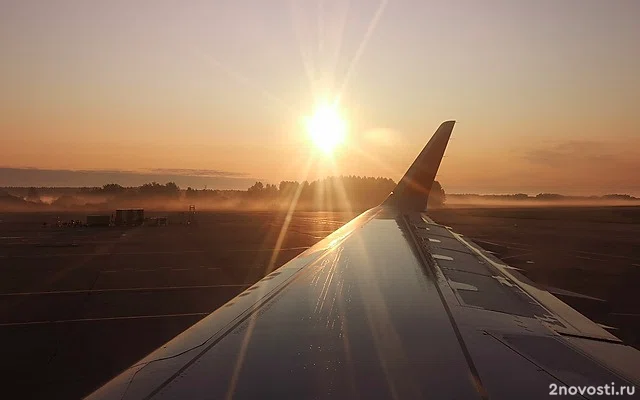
point(343, 193)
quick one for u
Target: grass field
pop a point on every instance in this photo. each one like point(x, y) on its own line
point(78, 305)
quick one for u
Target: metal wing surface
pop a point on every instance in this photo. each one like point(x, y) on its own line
point(391, 305)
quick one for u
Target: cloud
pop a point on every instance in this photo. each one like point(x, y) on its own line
point(574, 152)
point(197, 172)
point(585, 166)
point(571, 167)
point(197, 178)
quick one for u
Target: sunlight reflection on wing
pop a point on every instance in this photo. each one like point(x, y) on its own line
point(389, 348)
point(252, 320)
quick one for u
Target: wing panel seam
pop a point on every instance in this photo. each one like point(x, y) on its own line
point(477, 382)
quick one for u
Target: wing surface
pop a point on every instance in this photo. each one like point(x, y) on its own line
point(391, 305)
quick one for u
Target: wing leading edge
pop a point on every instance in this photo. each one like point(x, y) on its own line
point(391, 305)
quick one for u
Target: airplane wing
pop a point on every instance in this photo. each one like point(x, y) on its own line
point(391, 305)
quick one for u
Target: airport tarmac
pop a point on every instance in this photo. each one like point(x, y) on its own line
point(78, 305)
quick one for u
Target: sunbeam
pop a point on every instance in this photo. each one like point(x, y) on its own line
point(370, 29)
point(339, 32)
point(305, 54)
point(270, 267)
point(359, 151)
point(243, 80)
point(287, 220)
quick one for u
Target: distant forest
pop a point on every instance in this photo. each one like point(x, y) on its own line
point(330, 194)
point(521, 198)
point(342, 193)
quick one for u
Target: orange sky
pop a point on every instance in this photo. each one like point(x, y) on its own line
point(545, 93)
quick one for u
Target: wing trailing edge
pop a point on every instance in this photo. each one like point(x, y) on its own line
point(412, 192)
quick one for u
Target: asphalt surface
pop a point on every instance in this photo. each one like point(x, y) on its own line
point(79, 305)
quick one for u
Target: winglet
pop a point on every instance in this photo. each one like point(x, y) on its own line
point(412, 192)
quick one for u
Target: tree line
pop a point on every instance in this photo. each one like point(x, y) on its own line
point(331, 193)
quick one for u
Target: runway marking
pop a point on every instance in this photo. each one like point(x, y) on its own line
point(505, 244)
point(140, 289)
point(517, 255)
point(501, 243)
point(282, 249)
point(164, 269)
point(589, 258)
point(62, 321)
point(626, 314)
point(106, 254)
point(151, 252)
point(606, 255)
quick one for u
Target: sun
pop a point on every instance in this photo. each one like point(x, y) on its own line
point(326, 128)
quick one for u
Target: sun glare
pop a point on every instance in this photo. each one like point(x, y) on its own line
point(326, 128)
